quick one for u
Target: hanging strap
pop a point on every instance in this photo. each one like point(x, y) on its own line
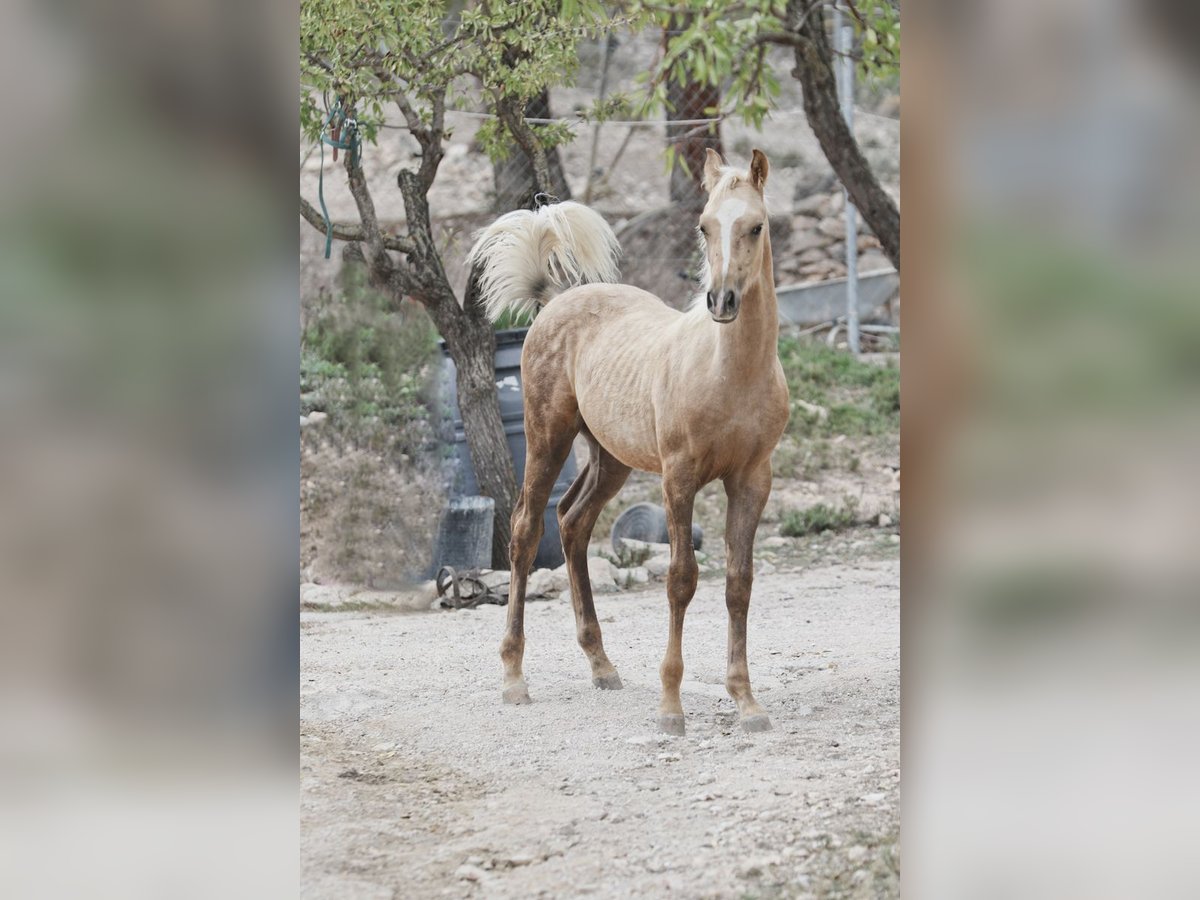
point(341, 133)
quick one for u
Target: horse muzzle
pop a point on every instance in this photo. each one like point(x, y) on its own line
point(723, 306)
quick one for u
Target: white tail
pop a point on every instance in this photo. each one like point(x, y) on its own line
point(524, 258)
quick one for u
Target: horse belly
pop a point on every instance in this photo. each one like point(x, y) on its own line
point(617, 410)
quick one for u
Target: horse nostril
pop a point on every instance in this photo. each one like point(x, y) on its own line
point(730, 303)
point(712, 301)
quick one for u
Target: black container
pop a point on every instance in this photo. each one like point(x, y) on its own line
point(465, 534)
point(647, 522)
point(512, 414)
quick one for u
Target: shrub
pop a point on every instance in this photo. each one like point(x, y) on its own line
point(819, 517)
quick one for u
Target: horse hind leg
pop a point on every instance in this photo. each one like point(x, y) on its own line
point(578, 510)
point(546, 451)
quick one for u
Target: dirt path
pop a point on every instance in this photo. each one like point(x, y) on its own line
point(417, 782)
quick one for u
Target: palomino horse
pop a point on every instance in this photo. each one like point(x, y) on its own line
point(694, 396)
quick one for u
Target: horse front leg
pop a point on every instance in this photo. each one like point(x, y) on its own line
point(747, 493)
point(679, 496)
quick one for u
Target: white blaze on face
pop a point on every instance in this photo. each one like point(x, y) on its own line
point(727, 214)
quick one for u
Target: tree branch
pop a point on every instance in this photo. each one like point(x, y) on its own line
point(514, 120)
point(346, 231)
point(814, 71)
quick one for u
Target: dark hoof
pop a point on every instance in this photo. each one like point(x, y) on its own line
point(609, 682)
point(672, 724)
point(760, 722)
point(517, 694)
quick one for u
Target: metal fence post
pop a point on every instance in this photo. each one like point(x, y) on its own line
point(843, 36)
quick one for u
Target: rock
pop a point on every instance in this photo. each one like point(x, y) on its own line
point(658, 565)
point(777, 540)
point(514, 860)
point(547, 581)
point(809, 239)
point(822, 270)
point(884, 520)
point(764, 568)
point(467, 872)
point(652, 548)
point(602, 574)
point(314, 418)
point(320, 595)
point(873, 262)
point(639, 574)
point(813, 255)
point(834, 227)
point(814, 183)
point(809, 205)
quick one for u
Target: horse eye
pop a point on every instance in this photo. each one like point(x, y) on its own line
point(704, 231)
point(756, 230)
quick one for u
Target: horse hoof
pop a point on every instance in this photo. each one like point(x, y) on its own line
point(672, 724)
point(609, 682)
point(759, 722)
point(517, 694)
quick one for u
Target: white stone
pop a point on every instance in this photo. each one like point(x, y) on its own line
point(884, 520)
point(547, 581)
point(658, 565)
point(602, 574)
point(468, 873)
point(653, 548)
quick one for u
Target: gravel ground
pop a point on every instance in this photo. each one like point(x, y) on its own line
point(417, 781)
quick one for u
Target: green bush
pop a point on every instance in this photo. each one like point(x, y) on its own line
point(819, 517)
point(859, 398)
point(370, 368)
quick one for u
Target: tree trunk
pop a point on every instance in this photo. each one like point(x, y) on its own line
point(471, 341)
point(691, 100)
point(514, 177)
point(475, 359)
point(814, 71)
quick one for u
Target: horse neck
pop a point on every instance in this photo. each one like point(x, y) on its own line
point(749, 343)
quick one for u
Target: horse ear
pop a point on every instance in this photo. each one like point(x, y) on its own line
point(712, 169)
point(758, 169)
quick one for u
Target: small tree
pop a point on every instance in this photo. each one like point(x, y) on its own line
point(421, 58)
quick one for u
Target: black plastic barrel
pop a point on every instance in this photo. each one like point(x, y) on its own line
point(512, 414)
point(647, 522)
point(464, 538)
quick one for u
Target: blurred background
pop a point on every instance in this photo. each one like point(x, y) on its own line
point(1051, 428)
point(148, 463)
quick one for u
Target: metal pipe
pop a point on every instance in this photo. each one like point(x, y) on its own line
point(843, 42)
